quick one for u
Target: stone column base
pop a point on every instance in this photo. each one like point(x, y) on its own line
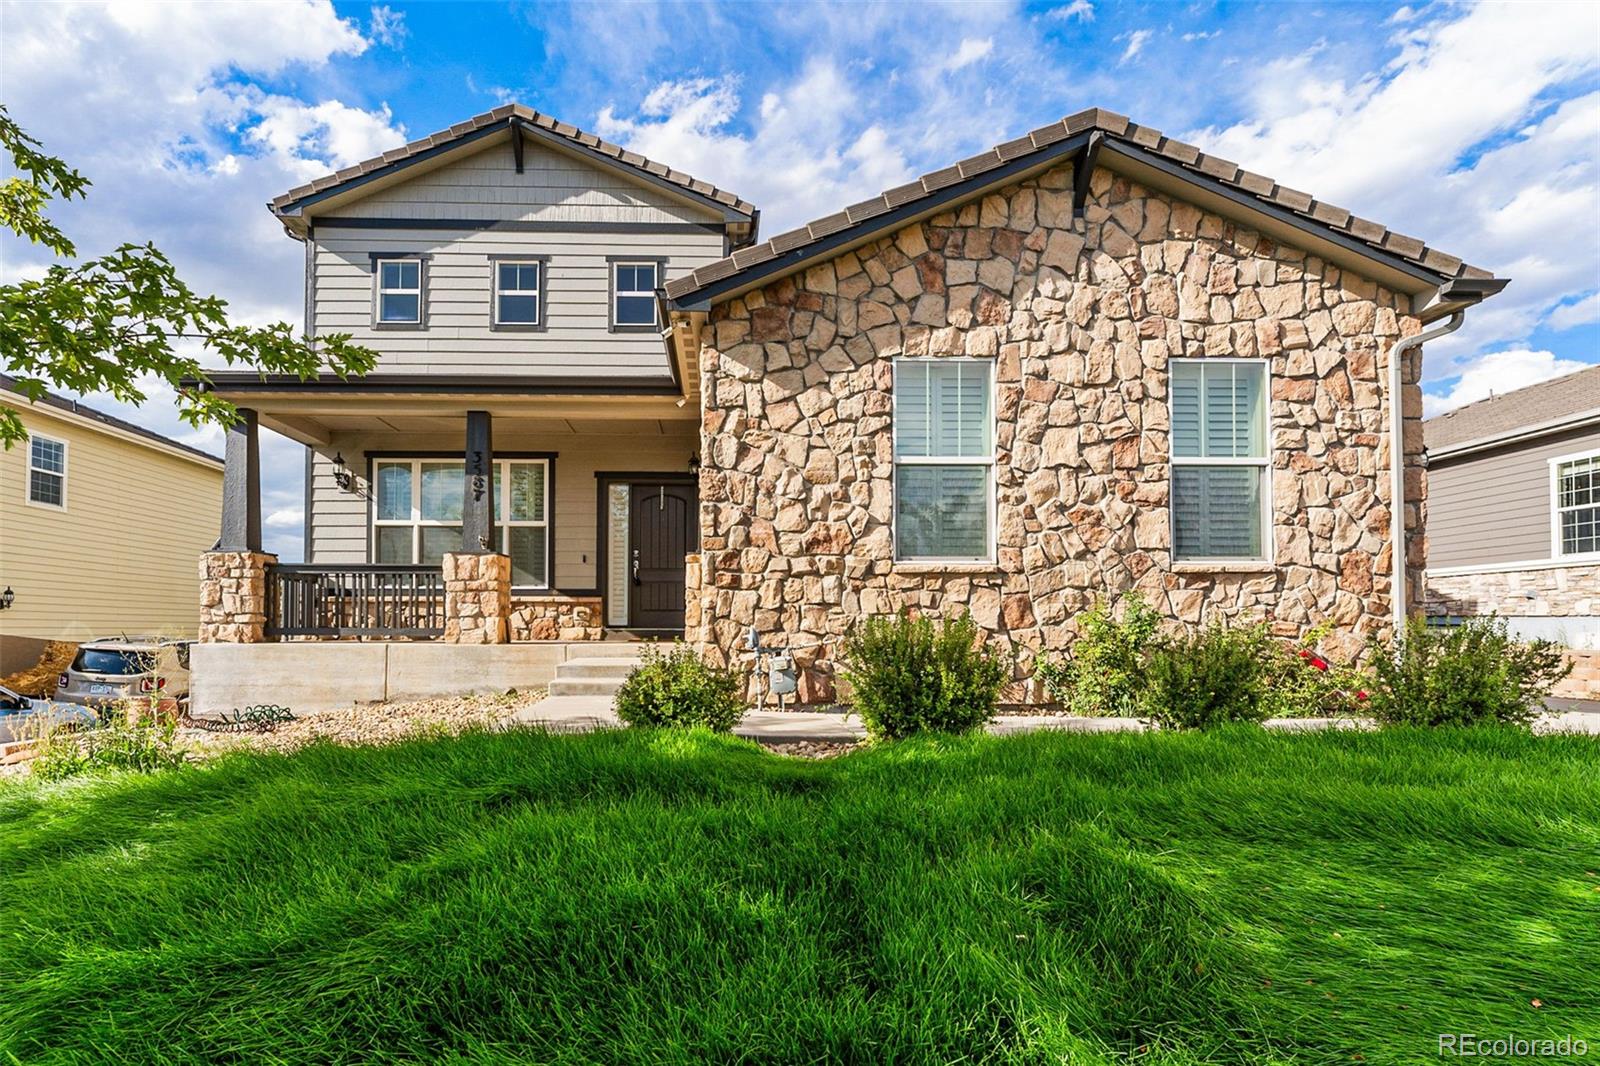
point(233, 596)
point(477, 597)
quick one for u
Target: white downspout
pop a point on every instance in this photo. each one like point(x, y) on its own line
point(1397, 464)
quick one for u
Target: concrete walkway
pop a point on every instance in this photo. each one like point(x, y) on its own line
point(580, 714)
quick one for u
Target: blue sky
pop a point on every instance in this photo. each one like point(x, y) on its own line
point(1473, 126)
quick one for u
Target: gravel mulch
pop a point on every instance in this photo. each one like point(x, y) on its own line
point(810, 749)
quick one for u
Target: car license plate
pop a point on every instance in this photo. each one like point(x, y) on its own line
point(100, 690)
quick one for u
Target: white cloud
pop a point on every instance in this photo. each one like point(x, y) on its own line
point(286, 518)
point(1480, 166)
point(1201, 36)
point(1136, 42)
point(387, 26)
point(1578, 313)
point(972, 49)
point(1082, 10)
point(1496, 374)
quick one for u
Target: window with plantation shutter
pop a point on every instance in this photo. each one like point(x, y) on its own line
point(944, 459)
point(1577, 510)
point(1219, 458)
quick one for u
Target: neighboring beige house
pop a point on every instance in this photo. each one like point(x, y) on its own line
point(100, 521)
point(1091, 360)
point(1514, 512)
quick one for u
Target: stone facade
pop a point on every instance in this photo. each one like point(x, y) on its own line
point(1081, 319)
point(1584, 681)
point(555, 616)
point(233, 597)
point(1541, 592)
point(477, 597)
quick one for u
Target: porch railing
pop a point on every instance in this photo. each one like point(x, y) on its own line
point(308, 600)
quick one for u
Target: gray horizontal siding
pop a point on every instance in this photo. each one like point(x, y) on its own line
point(458, 338)
point(339, 519)
point(1495, 507)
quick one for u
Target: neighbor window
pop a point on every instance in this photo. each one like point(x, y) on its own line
point(943, 459)
point(518, 293)
point(633, 294)
point(1219, 458)
point(417, 513)
point(399, 291)
point(1577, 505)
point(47, 472)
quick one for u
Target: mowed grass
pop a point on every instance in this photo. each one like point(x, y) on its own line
point(1237, 897)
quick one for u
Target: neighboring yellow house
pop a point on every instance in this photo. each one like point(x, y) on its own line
point(100, 525)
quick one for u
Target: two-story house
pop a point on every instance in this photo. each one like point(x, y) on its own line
point(1091, 360)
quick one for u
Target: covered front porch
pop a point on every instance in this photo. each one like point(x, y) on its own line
point(501, 517)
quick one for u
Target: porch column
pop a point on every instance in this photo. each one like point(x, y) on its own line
point(477, 509)
point(233, 575)
point(477, 580)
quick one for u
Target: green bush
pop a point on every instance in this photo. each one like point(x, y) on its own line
point(909, 676)
point(1464, 675)
point(1301, 682)
point(680, 689)
point(1207, 678)
point(1103, 676)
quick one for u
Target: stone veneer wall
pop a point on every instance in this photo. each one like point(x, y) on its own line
point(233, 596)
point(796, 490)
point(477, 597)
point(1545, 592)
point(555, 616)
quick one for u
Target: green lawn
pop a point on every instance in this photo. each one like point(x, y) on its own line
point(645, 897)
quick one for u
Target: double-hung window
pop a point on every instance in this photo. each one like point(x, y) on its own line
point(1577, 505)
point(1220, 465)
point(633, 294)
point(944, 459)
point(47, 472)
point(518, 293)
point(399, 295)
point(417, 513)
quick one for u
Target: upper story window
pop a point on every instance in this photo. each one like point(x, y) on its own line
point(1577, 505)
point(633, 294)
point(399, 294)
point(47, 472)
point(1219, 459)
point(944, 459)
point(518, 293)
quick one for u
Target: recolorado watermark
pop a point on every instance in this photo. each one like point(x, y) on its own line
point(1509, 1046)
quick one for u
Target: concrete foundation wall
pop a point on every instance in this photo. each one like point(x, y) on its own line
point(322, 676)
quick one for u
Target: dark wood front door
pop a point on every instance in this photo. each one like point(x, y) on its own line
point(661, 532)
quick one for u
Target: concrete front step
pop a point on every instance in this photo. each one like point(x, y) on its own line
point(593, 675)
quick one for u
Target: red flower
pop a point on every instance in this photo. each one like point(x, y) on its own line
point(1361, 695)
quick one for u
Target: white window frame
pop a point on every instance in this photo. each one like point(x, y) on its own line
point(617, 293)
point(502, 525)
point(27, 480)
point(537, 292)
point(1555, 508)
point(380, 291)
point(1265, 463)
point(987, 461)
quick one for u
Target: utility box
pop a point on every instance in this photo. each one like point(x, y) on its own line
point(780, 675)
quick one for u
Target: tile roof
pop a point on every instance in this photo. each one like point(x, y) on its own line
point(62, 403)
point(578, 138)
point(1119, 128)
point(1535, 405)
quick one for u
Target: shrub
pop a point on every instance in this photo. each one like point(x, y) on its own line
point(142, 743)
point(1207, 678)
point(1464, 675)
point(1301, 682)
point(1104, 673)
point(680, 689)
point(909, 676)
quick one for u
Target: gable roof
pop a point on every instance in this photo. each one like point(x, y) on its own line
point(117, 426)
point(1086, 133)
point(1548, 407)
point(514, 117)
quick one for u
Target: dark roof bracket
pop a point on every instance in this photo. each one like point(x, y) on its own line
point(1082, 170)
point(516, 141)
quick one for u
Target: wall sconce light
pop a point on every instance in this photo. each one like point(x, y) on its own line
point(342, 475)
point(694, 463)
point(7, 598)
